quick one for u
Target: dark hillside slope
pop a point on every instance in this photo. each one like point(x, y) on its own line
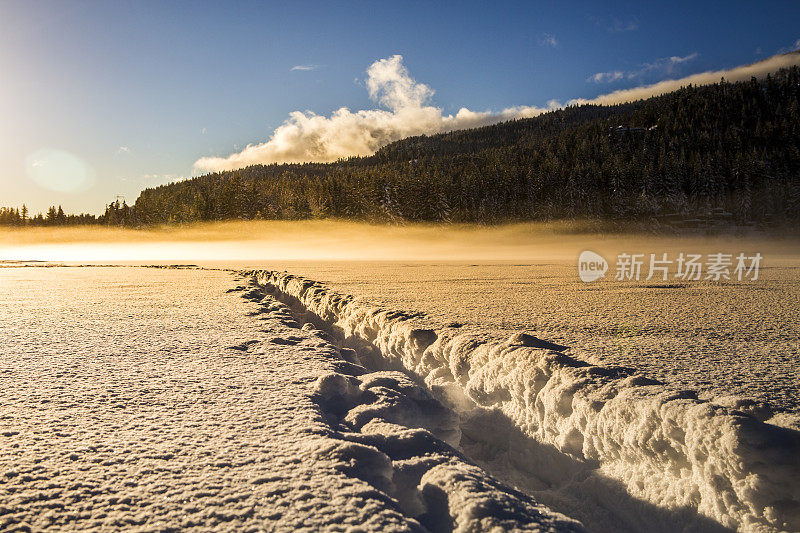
point(731, 149)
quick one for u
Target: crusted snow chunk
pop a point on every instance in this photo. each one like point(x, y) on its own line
point(396, 381)
point(395, 397)
point(338, 393)
point(524, 339)
point(434, 483)
point(402, 443)
point(350, 355)
point(392, 406)
point(357, 460)
point(474, 502)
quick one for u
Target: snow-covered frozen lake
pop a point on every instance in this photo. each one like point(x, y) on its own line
point(174, 397)
point(719, 338)
point(170, 399)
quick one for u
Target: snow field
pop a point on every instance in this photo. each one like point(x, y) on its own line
point(163, 399)
point(574, 431)
point(719, 339)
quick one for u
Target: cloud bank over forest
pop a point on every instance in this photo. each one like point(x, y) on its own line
point(306, 136)
point(742, 73)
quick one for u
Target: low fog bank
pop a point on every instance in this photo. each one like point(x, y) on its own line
point(244, 243)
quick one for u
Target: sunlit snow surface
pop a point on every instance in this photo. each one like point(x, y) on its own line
point(718, 338)
point(141, 397)
point(165, 399)
point(604, 443)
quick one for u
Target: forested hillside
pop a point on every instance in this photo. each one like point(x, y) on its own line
point(732, 148)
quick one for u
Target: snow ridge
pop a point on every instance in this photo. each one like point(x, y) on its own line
point(390, 432)
point(664, 447)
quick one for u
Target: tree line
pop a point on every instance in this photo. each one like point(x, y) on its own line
point(116, 213)
point(731, 148)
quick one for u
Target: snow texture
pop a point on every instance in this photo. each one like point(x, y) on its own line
point(159, 399)
point(570, 432)
point(716, 338)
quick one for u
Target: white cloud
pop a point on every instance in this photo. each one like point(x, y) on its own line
point(677, 59)
point(306, 136)
point(662, 66)
point(305, 67)
point(390, 84)
point(605, 77)
point(548, 39)
point(791, 48)
point(745, 72)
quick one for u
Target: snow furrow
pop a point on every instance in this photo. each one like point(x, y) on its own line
point(666, 448)
point(391, 433)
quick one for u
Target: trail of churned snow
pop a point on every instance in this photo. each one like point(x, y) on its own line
point(719, 338)
point(163, 399)
point(604, 444)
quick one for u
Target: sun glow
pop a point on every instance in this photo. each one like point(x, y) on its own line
point(58, 170)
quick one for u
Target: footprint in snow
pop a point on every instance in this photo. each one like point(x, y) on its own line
point(289, 341)
point(243, 347)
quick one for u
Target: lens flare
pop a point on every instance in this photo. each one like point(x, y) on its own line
point(58, 170)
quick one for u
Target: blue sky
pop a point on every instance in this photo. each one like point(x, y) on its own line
point(137, 91)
